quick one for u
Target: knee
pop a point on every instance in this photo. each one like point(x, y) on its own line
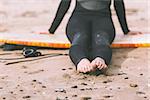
point(101, 40)
point(80, 39)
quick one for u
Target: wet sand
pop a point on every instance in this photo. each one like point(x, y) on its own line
point(55, 78)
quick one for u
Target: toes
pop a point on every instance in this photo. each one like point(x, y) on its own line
point(84, 69)
point(88, 69)
point(79, 69)
point(91, 68)
point(99, 64)
point(100, 67)
point(85, 66)
point(93, 64)
point(103, 66)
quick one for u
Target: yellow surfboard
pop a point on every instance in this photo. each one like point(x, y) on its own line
point(61, 41)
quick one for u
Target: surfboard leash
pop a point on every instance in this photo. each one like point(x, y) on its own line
point(39, 58)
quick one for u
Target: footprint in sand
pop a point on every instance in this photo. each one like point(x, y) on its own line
point(66, 76)
point(141, 94)
point(70, 68)
point(26, 97)
point(3, 77)
point(66, 98)
point(133, 85)
point(3, 61)
point(132, 11)
point(122, 73)
point(36, 72)
point(29, 14)
point(85, 84)
point(113, 70)
point(86, 98)
point(24, 67)
point(7, 96)
point(60, 90)
point(107, 81)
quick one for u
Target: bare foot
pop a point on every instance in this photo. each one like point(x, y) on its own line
point(84, 66)
point(99, 63)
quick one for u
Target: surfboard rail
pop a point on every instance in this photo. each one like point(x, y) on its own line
point(44, 41)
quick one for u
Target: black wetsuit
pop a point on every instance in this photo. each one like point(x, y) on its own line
point(90, 28)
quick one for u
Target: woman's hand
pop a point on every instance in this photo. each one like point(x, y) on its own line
point(46, 33)
point(134, 33)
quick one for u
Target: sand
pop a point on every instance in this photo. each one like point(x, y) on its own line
point(55, 78)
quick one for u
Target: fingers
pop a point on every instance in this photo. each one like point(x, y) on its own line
point(139, 32)
point(134, 33)
point(44, 32)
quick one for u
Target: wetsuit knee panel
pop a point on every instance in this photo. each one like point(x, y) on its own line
point(80, 39)
point(101, 38)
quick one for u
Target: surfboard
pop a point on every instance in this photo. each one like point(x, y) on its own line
point(61, 41)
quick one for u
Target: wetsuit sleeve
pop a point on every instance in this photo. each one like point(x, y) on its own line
point(62, 10)
point(120, 10)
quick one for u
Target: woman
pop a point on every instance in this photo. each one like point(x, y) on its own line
point(91, 31)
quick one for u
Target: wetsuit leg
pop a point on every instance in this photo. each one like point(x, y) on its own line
point(78, 33)
point(103, 34)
